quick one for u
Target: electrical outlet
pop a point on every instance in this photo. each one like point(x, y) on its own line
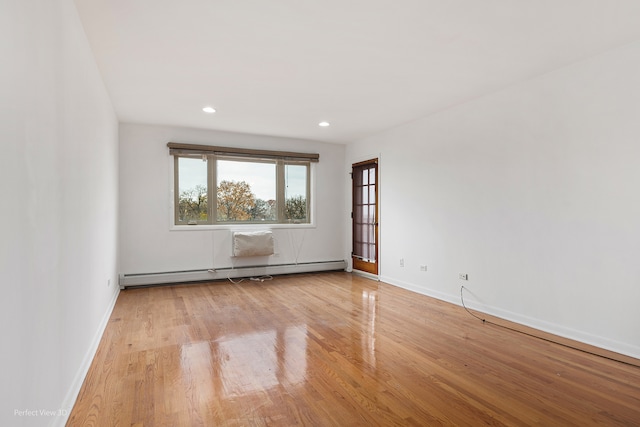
point(423, 268)
point(108, 283)
point(401, 262)
point(463, 276)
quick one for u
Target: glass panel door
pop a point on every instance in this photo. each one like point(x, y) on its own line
point(365, 216)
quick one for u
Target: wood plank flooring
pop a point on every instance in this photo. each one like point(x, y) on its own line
point(335, 349)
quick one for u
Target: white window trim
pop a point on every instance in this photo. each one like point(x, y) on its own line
point(235, 225)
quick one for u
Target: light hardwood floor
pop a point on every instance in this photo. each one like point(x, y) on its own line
point(335, 349)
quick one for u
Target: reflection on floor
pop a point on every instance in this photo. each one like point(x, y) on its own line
point(335, 349)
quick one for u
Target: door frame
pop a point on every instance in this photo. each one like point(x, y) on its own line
point(358, 263)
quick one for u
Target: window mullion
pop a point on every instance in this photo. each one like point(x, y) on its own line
point(280, 191)
point(308, 195)
point(212, 194)
point(176, 190)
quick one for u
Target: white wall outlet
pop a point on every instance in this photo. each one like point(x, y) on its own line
point(401, 262)
point(463, 276)
point(423, 268)
point(108, 283)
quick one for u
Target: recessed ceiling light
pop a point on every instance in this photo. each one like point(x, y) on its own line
point(323, 124)
point(209, 110)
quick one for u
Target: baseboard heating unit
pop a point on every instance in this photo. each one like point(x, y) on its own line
point(150, 279)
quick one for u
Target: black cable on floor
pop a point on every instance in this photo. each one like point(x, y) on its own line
point(538, 337)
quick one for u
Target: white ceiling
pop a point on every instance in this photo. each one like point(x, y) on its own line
point(278, 67)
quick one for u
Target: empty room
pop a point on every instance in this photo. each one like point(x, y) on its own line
point(320, 213)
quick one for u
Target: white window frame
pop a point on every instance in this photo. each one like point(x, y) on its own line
point(211, 224)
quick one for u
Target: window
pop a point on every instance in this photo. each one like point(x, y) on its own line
point(219, 187)
point(192, 202)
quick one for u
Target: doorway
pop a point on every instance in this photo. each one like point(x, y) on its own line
point(364, 216)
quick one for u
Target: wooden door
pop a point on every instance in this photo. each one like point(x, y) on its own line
point(365, 216)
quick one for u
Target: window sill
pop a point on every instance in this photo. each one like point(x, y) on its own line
point(235, 226)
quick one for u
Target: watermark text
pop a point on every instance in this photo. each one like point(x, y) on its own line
point(40, 412)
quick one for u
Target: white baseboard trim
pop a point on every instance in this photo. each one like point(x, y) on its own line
point(148, 279)
point(420, 290)
point(366, 275)
point(558, 330)
point(70, 399)
point(604, 343)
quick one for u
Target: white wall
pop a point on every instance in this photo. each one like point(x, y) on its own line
point(532, 191)
point(147, 243)
point(58, 218)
